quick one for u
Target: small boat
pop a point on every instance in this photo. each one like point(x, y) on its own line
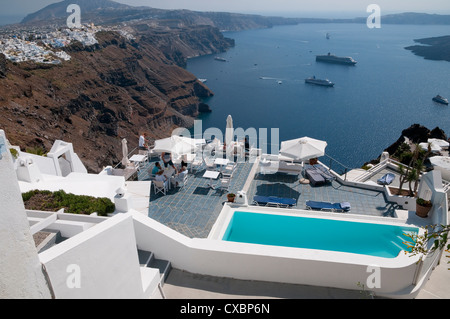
point(313, 80)
point(218, 58)
point(440, 99)
point(280, 82)
point(202, 80)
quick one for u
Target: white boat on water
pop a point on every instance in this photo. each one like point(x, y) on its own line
point(202, 80)
point(440, 99)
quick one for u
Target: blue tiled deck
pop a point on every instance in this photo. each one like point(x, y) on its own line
point(193, 209)
point(363, 201)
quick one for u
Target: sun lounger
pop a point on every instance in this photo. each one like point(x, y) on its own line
point(387, 179)
point(324, 172)
point(314, 176)
point(273, 201)
point(334, 207)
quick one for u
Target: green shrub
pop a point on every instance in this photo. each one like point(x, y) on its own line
point(37, 150)
point(14, 152)
point(72, 204)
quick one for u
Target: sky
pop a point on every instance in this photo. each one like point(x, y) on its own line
point(297, 8)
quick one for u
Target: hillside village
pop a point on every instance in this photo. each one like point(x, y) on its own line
point(44, 45)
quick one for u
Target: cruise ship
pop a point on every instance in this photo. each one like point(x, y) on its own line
point(313, 80)
point(440, 99)
point(331, 58)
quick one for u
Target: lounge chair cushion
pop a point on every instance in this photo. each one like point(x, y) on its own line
point(344, 206)
point(387, 179)
point(324, 172)
point(315, 177)
point(274, 201)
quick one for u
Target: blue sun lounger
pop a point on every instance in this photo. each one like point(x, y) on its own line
point(274, 201)
point(334, 207)
point(387, 179)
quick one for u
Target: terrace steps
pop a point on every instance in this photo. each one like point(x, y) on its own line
point(154, 273)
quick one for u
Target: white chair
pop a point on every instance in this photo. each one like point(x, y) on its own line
point(225, 183)
point(229, 170)
point(197, 163)
point(181, 179)
point(209, 163)
point(160, 187)
point(215, 147)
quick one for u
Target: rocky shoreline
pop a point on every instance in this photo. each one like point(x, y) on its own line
point(415, 134)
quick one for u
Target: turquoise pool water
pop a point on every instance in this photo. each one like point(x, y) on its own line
point(317, 233)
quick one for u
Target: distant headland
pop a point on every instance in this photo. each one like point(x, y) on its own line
point(437, 48)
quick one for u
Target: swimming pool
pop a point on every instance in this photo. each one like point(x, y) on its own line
point(379, 240)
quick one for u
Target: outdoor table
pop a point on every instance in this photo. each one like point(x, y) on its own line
point(211, 175)
point(138, 159)
point(221, 161)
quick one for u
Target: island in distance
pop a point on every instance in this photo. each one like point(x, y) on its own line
point(436, 48)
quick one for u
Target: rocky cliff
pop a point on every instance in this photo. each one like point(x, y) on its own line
point(416, 134)
point(107, 92)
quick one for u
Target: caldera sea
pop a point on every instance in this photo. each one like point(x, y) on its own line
point(262, 86)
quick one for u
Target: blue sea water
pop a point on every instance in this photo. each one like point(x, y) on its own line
point(387, 91)
point(302, 232)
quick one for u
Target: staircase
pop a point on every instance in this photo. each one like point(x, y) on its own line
point(154, 272)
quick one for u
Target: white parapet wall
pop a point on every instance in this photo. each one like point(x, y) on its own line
point(21, 275)
point(101, 262)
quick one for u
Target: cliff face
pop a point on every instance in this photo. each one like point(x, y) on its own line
point(417, 133)
point(107, 92)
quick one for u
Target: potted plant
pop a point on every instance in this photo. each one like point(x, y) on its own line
point(230, 197)
point(423, 207)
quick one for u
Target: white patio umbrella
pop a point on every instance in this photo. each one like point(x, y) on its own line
point(303, 148)
point(125, 160)
point(175, 144)
point(229, 131)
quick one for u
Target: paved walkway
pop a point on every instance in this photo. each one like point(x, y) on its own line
point(183, 285)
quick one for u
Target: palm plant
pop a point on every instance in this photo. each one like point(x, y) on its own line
point(411, 173)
